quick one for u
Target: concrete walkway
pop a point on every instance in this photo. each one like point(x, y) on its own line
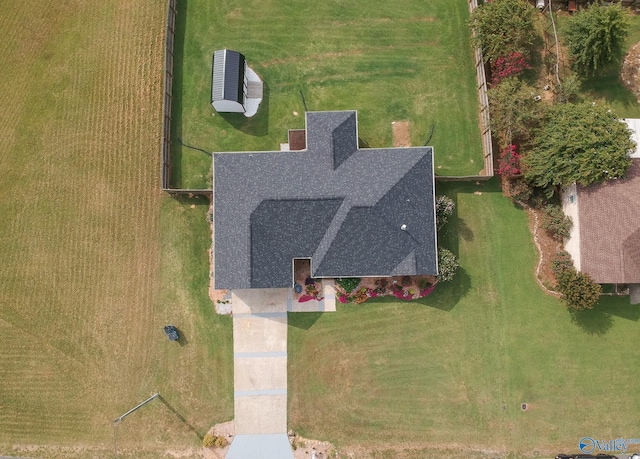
point(327, 304)
point(260, 373)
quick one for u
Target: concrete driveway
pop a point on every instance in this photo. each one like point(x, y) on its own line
point(260, 373)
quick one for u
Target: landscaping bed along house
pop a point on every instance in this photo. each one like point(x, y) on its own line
point(357, 290)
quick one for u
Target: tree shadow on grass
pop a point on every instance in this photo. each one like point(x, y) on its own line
point(609, 87)
point(447, 295)
point(257, 125)
point(463, 230)
point(303, 320)
point(592, 321)
point(599, 320)
point(182, 418)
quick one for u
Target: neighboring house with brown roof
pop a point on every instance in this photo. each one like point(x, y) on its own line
point(605, 237)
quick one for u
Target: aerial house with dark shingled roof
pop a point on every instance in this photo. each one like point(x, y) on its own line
point(353, 212)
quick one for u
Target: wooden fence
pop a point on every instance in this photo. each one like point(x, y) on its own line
point(166, 109)
point(166, 103)
point(485, 126)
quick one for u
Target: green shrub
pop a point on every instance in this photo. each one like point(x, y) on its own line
point(503, 27)
point(209, 440)
point(519, 190)
point(444, 210)
point(348, 283)
point(561, 263)
point(596, 37)
point(555, 222)
point(423, 283)
point(578, 289)
point(447, 265)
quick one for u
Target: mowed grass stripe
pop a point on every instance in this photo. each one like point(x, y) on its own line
point(390, 61)
point(80, 273)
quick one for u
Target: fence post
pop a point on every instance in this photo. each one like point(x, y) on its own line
point(485, 127)
point(170, 31)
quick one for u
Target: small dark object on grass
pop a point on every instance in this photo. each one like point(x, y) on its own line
point(171, 332)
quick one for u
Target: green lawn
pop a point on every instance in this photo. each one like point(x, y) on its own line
point(447, 374)
point(94, 258)
point(407, 59)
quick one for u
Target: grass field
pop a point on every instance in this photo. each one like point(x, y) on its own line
point(94, 258)
point(407, 59)
point(445, 376)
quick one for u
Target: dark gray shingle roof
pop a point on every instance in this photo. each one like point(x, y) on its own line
point(341, 206)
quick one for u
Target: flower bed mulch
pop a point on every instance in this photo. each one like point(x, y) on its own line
point(402, 287)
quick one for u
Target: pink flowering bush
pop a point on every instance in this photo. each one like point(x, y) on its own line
point(509, 161)
point(511, 65)
point(427, 291)
point(412, 289)
point(305, 298)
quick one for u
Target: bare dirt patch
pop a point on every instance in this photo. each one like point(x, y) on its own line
point(303, 448)
point(630, 74)
point(401, 134)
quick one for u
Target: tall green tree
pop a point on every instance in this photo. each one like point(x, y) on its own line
point(503, 27)
point(595, 38)
point(582, 143)
point(514, 110)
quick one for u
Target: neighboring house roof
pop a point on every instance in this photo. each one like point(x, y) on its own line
point(609, 227)
point(355, 212)
point(228, 76)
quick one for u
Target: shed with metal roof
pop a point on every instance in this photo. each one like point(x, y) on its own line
point(229, 81)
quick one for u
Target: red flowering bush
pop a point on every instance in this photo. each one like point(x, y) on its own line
point(402, 294)
point(305, 298)
point(511, 65)
point(509, 162)
point(427, 291)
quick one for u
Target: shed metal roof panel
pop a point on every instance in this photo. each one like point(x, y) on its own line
point(228, 76)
